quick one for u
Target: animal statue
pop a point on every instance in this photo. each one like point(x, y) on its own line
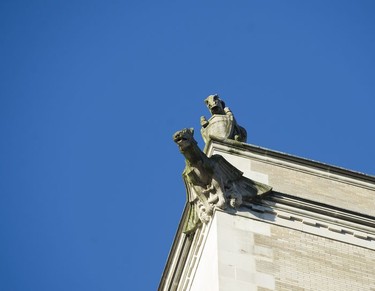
point(211, 182)
point(222, 122)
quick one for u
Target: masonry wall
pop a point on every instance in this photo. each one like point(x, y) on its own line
point(254, 255)
point(304, 181)
point(284, 245)
point(320, 187)
point(302, 261)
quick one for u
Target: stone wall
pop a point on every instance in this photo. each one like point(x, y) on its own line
point(315, 232)
point(254, 255)
point(306, 179)
point(302, 261)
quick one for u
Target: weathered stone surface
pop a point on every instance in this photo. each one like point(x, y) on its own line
point(314, 231)
point(300, 177)
point(222, 123)
point(212, 182)
point(275, 257)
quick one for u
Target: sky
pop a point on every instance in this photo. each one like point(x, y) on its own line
point(91, 93)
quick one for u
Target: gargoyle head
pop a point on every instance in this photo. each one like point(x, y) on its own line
point(215, 104)
point(184, 138)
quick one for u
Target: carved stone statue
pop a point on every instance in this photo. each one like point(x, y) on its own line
point(222, 123)
point(211, 182)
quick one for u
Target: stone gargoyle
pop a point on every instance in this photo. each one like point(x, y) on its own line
point(222, 122)
point(211, 182)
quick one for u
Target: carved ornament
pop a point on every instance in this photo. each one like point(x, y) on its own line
point(211, 182)
point(221, 123)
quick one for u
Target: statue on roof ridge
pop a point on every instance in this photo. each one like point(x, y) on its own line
point(222, 122)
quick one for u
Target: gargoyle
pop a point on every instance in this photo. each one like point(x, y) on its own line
point(222, 122)
point(211, 182)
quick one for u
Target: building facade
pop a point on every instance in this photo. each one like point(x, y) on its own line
point(314, 231)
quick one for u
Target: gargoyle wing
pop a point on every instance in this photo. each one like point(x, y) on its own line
point(226, 169)
point(231, 173)
point(192, 220)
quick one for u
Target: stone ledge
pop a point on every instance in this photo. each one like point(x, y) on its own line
point(237, 148)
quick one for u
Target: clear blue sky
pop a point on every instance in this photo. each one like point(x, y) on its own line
point(91, 92)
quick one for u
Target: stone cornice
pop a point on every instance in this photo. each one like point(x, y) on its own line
point(318, 215)
point(320, 211)
point(325, 225)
